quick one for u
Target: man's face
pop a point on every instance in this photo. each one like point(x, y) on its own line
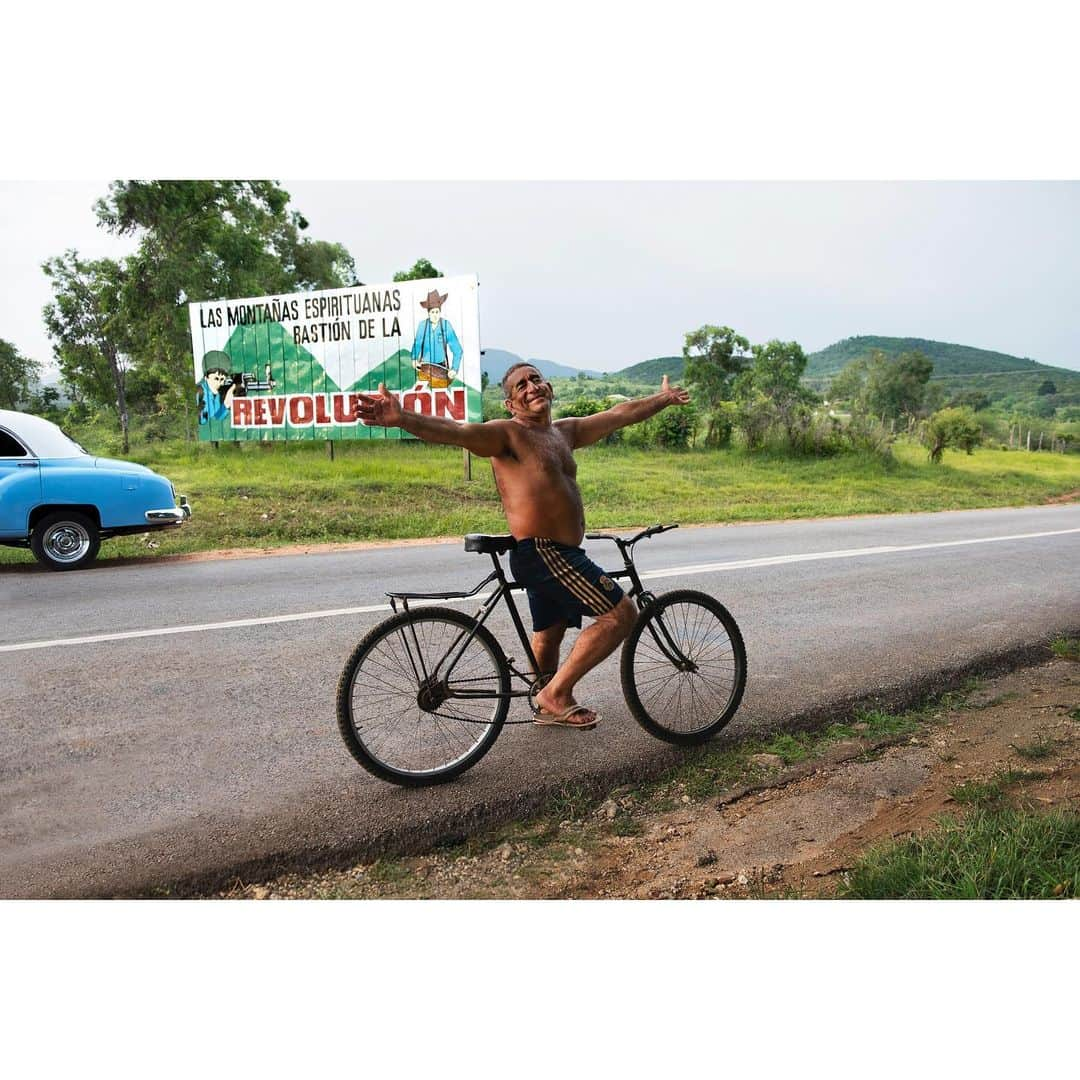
point(530, 394)
point(434, 314)
point(216, 380)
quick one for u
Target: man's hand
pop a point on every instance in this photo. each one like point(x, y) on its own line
point(381, 409)
point(676, 394)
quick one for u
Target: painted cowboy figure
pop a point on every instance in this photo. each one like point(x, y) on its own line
point(435, 343)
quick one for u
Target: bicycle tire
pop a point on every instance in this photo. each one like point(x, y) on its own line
point(379, 710)
point(684, 707)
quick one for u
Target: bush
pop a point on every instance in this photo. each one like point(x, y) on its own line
point(951, 427)
point(674, 427)
point(755, 417)
point(720, 423)
point(581, 406)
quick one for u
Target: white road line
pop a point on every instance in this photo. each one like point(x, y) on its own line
point(850, 553)
point(675, 571)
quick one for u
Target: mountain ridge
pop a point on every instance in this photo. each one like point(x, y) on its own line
point(950, 359)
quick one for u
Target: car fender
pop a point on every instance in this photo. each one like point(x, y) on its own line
point(121, 495)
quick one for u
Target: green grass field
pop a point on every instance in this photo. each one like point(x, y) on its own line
point(260, 496)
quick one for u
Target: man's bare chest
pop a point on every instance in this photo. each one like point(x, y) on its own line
point(543, 454)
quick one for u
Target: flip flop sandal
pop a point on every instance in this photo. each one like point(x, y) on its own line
point(546, 719)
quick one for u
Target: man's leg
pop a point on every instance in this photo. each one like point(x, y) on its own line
point(545, 647)
point(594, 644)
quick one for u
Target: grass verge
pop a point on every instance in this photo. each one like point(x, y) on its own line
point(264, 495)
point(1065, 647)
point(991, 854)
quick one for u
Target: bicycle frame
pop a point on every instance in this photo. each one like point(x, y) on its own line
point(437, 676)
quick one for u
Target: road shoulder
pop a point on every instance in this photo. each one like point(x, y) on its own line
point(784, 820)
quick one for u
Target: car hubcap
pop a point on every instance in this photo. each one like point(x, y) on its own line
point(66, 542)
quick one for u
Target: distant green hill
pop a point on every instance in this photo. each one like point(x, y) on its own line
point(1010, 382)
point(949, 359)
point(495, 362)
point(651, 371)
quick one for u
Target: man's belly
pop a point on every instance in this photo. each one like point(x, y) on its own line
point(556, 515)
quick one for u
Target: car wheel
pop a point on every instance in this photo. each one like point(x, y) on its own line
point(65, 540)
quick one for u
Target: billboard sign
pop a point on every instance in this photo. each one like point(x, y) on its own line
point(291, 366)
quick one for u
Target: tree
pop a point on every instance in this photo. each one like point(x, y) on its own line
point(776, 373)
point(88, 335)
point(46, 402)
point(319, 264)
point(951, 427)
point(895, 386)
point(975, 400)
point(1047, 387)
point(715, 355)
point(420, 270)
point(201, 240)
point(18, 374)
point(849, 384)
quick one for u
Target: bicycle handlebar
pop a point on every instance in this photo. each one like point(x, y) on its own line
point(652, 530)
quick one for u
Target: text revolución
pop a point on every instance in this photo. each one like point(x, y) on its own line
point(341, 410)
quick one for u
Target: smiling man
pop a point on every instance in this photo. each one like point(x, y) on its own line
point(535, 472)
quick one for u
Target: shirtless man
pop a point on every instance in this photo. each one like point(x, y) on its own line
point(535, 473)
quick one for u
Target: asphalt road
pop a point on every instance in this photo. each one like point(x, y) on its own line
point(133, 756)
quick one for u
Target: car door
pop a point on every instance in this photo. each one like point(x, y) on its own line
point(20, 485)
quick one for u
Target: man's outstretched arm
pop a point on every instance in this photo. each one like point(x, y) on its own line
point(382, 409)
point(586, 430)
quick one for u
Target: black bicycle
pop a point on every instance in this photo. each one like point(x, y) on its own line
point(425, 694)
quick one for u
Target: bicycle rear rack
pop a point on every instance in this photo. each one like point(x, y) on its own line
point(405, 597)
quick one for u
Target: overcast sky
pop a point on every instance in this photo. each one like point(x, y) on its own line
point(605, 274)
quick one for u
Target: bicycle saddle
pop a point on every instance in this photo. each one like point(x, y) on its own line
point(489, 545)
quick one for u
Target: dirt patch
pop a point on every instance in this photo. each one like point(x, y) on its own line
point(1068, 497)
point(790, 832)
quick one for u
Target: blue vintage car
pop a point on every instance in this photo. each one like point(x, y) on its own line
point(61, 502)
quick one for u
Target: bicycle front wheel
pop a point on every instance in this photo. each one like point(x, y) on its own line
point(684, 667)
point(420, 700)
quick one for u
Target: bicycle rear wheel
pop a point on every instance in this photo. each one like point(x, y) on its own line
point(684, 667)
point(397, 704)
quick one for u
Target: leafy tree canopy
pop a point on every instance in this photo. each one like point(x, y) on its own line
point(715, 356)
point(90, 337)
point(777, 369)
point(419, 271)
point(18, 374)
point(889, 386)
point(951, 427)
point(202, 240)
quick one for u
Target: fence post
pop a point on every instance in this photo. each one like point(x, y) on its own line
point(467, 463)
point(330, 448)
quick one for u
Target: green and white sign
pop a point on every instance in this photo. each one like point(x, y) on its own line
point(290, 367)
